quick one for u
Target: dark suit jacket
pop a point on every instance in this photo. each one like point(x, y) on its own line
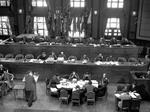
point(30, 83)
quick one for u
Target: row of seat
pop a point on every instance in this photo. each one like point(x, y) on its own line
point(76, 97)
point(31, 56)
point(17, 57)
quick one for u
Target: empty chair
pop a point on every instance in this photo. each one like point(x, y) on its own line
point(64, 96)
point(9, 56)
point(124, 106)
point(135, 105)
point(39, 39)
point(121, 59)
point(132, 60)
point(76, 97)
point(1, 55)
point(72, 58)
point(29, 56)
point(90, 97)
point(19, 57)
point(29, 39)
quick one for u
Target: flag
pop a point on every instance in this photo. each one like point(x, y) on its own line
point(89, 21)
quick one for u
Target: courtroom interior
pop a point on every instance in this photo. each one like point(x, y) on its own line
point(74, 56)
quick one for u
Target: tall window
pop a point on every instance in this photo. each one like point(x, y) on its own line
point(5, 26)
point(77, 3)
point(115, 3)
point(4, 2)
point(40, 27)
point(39, 3)
point(113, 27)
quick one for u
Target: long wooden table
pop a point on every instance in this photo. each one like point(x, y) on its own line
point(116, 73)
point(79, 50)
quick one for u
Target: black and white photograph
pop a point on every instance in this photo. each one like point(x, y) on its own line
point(74, 55)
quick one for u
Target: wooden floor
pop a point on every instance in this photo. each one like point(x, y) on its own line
point(50, 104)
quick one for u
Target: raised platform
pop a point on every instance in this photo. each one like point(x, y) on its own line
point(79, 50)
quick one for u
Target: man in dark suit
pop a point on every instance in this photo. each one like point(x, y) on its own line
point(30, 85)
point(43, 56)
point(89, 87)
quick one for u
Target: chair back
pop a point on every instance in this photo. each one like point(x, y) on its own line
point(63, 93)
point(90, 95)
point(19, 56)
point(75, 95)
point(29, 56)
point(72, 57)
point(125, 104)
point(121, 59)
point(8, 56)
point(132, 60)
point(135, 104)
point(1, 55)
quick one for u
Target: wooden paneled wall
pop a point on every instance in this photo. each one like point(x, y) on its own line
point(143, 31)
point(98, 20)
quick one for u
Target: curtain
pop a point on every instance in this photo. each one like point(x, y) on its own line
point(29, 22)
point(12, 20)
point(122, 26)
point(51, 18)
point(29, 25)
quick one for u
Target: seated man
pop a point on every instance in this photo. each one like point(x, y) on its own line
point(110, 58)
point(113, 41)
point(61, 57)
point(125, 41)
point(102, 41)
point(90, 40)
point(8, 78)
point(74, 75)
point(87, 76)
point(2, 70)
point(99, 58)
point(85, 59)
point(147, 74)
point(104, 80)
point(55, 80)
point(43, 56)
point(52, 57)
point(89, 87)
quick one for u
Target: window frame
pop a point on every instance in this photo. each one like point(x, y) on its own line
point(35, 3)
point(7, 3)
point(36, 26)
point(119, 4)
point(81, 3)
point(113, 31)
point(5, 26)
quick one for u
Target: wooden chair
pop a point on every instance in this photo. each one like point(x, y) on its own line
point(135, 105)
point(29, 56)
point(19, 57)
point(125, 106)
point(121, 59)
point(9, 56)
point(132, 60)
point(90, 97)
point(1, 55)
point(64, 96)
point(76, 97)
point(72, 57)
